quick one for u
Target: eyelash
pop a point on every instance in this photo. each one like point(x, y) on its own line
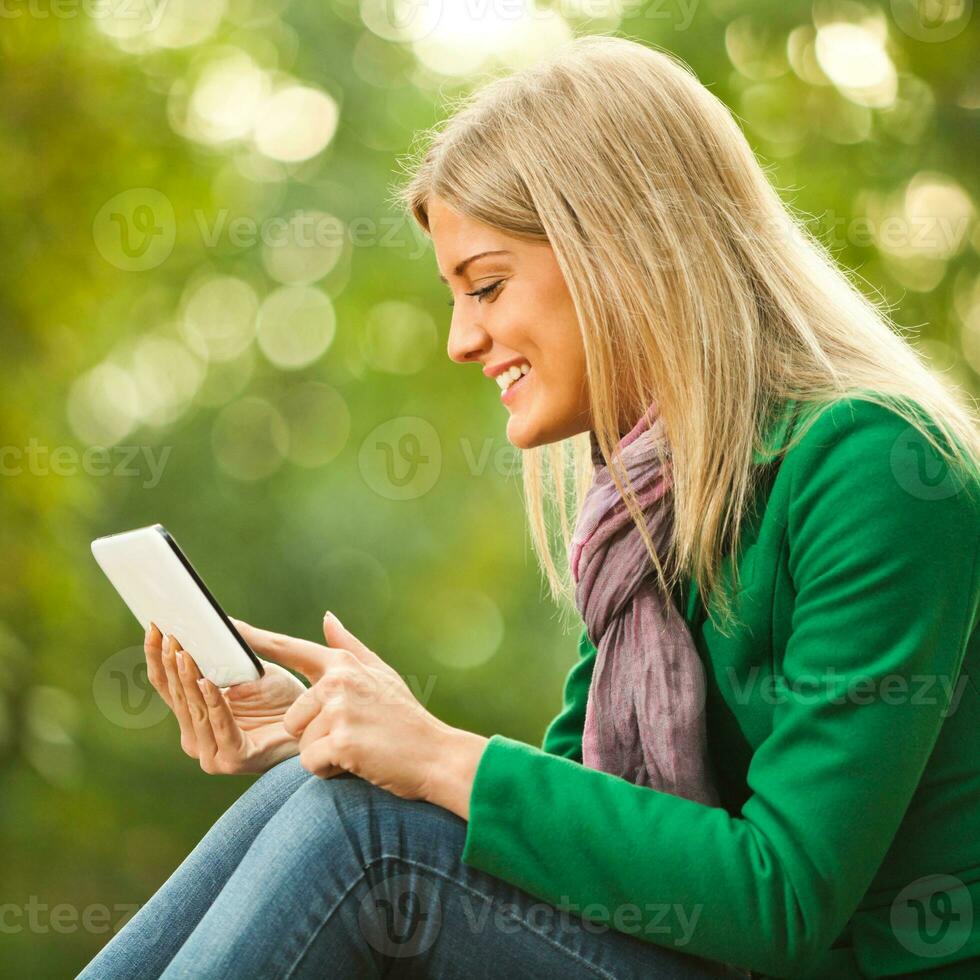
point(481, 293)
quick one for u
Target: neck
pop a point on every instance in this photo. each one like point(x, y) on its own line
point(596, 451)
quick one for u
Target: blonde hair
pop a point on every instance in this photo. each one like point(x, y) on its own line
point(693, 283)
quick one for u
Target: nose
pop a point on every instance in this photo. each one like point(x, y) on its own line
point(468, 341)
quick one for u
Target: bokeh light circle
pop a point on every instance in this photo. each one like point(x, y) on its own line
point(250, 439)
point(468, 631)
point(295, 123)
point(218, 317)
point(302, 248)
point(319, 423)
point(296, 326)
point(399, 337)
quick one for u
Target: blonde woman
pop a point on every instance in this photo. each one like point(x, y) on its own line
point(765, 509)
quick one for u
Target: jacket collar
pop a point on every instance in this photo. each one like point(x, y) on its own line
point(777, 429)
point(774, 437)
point(776, 432)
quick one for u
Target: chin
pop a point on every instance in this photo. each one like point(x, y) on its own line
point(528, 433)
point(522, 433)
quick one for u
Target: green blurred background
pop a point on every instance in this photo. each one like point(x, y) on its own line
point(212, 318)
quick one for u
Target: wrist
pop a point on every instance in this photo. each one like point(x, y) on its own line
point(452, 771)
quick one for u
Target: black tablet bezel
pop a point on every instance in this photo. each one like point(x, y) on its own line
point(175, 548)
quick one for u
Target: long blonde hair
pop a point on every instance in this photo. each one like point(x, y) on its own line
point(693, 284)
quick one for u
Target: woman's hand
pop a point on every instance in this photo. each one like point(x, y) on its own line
point(359, 716)
point(238, 730)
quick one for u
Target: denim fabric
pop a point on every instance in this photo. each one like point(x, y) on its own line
point(310, 878)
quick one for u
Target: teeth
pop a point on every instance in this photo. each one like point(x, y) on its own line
point(508, 377)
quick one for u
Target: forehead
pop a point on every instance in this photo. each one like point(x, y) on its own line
point(457, 237)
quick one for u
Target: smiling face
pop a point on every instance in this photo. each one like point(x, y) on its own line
point(513, 315)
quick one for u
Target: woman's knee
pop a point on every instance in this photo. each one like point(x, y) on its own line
point(265, 795)
point(346, 811)
point(279, 782)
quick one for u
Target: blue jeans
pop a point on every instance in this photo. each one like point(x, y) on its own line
point(307, 878)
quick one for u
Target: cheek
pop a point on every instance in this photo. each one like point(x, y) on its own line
point(559, 404)
point(566, 376)
point(574, 403)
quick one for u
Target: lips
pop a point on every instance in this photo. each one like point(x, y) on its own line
point(513, 374)
point(513, 388)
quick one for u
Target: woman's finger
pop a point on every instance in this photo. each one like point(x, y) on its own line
point(187, 740)
point(318, 759)
point(229, 738)
point(197, 708)
point(290, 651)
point(338, 635)
point(317, 728)
point(157, 676)
point(301, 712)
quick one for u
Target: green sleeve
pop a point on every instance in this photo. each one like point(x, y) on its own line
point(885, 578)
point(564, 734)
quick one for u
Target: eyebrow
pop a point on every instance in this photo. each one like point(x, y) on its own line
point(461, 267)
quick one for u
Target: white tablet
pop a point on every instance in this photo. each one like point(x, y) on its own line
point(160, 586)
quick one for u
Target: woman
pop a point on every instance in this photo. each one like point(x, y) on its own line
point(767, 762)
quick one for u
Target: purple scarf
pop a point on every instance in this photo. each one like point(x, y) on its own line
point(644, 719)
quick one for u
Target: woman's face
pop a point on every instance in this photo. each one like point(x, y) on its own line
point(512, 312)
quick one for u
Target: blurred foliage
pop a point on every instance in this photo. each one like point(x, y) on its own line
point(162, 167)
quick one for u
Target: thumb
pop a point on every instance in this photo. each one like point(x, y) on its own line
point(290, 651)
point(337, 635)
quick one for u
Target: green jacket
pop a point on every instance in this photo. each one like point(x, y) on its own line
point(844, 724)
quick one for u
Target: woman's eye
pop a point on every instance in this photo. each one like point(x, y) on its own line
point(483, 293)
point(486, 291)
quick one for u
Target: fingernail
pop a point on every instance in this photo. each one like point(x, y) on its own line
point(180, 660)
point(328, 615)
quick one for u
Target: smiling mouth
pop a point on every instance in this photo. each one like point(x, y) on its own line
point(512, 380)
point(512, 375)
